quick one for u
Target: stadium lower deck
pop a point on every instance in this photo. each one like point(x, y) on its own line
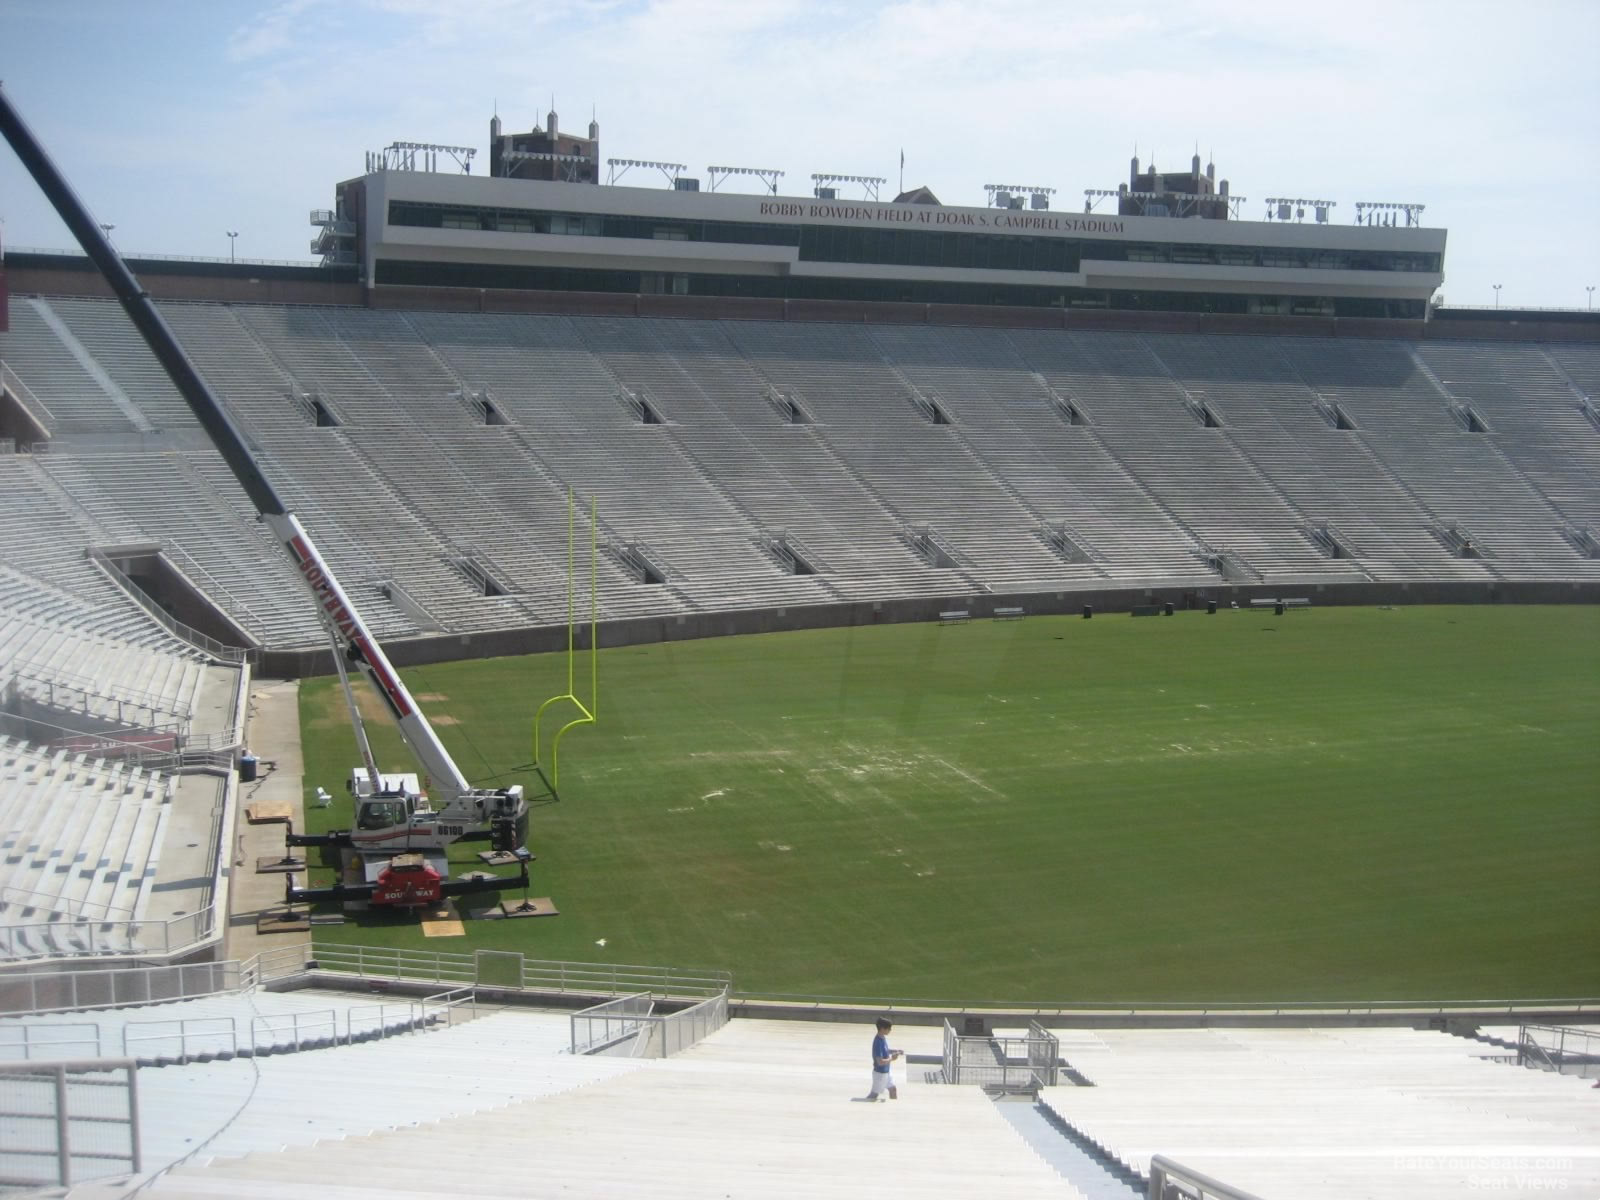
point(747, 466)
point(760, 468)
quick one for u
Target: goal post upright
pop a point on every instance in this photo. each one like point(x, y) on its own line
point(588, 713)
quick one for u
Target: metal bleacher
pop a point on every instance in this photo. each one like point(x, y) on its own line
point(113, 682)
point(1324, 1113)
point(81, 842)
point(566, 400)
point(1532, 400)
point(758, 1108)
point(756, 465)
point(1329, 476)
point(785, 474)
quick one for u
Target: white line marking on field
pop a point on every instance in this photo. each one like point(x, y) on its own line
point(967, 775)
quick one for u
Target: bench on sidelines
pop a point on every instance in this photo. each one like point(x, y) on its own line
point(1285, 602)
point(1009, 614)
point(954, 617)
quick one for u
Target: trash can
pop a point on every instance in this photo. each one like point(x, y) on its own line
point(1088, 611)
point(247, 768)
point(1211, 608)
point(1167, 608)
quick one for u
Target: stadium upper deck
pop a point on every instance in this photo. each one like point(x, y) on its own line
point(542, 221)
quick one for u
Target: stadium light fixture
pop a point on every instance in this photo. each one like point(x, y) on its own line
point(1000, 194)
point(418, 156)
point(1371, 212)
point(670, 169)
point(1093, 196)
point(106, 227)
point(869, 183)
point(767, 175)
point(1590, 289)
point(1497, 295)
point(1296, 206)
point(232, 234)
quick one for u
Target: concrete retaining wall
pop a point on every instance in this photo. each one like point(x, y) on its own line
point(1111, 601)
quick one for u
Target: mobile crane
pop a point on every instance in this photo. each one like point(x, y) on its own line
point(399, 837)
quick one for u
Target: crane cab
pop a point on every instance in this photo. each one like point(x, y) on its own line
point(397, 800)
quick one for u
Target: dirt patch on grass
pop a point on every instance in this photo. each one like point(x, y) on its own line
point(443, 719)
point(429, 696)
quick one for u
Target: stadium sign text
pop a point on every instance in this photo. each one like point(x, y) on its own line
point(925, 215)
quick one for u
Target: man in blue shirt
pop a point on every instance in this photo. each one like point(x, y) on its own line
point(882, 1060)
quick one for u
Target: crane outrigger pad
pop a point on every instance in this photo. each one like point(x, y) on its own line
point(540, 906)
point(283, 920)
point(266, 864)
point(444, 921)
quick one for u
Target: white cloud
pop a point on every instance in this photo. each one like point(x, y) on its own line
point(276, 30)
point(1465, 106)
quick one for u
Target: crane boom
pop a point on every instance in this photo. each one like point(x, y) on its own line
point(358, 643)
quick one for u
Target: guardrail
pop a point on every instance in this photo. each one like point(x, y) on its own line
point(11, 894)
point(37, 409)
point(610, 1023)
point(1099, 1009)
point(150, 257)
point(186, 1039)
point(180, 1039)
point(70, 1121)
point(187, 633)
point(492, 969)
point(1560, 1049)
point(680, 1030)
point(631, 1024)
point(75, 939)
point(77, 1039)
point(115, 987)
point(1174, 1181)
point(1025, 1063)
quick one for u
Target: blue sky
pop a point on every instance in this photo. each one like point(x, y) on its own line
point(177, 120)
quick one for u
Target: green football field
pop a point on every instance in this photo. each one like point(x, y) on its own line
point(1336, 804)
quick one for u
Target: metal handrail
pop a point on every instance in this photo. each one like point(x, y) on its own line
point(1112, 1008)
point(381, 1024)
point(187, 633)
point(28, 1037)
point(36, 407)
point(60, 1114)
point(461, 969)
point(147, 256)
point(90, 686)
point(302, 1027)
point(176, 934)
point(10, 890)
point(1510, 308)
point(210, 583)
point(224, 1029)
point(439, 1010)
point(1163, 1168)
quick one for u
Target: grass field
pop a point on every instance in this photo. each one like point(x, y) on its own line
point(1336, 804)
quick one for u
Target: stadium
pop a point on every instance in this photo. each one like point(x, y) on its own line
point(1149, 654)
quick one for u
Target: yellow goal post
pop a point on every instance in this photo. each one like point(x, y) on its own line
point(588, 713)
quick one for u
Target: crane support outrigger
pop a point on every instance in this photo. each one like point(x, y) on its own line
point(393, 821)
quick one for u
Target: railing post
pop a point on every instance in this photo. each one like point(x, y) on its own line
point(63, 1136)
point(132, 1074)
